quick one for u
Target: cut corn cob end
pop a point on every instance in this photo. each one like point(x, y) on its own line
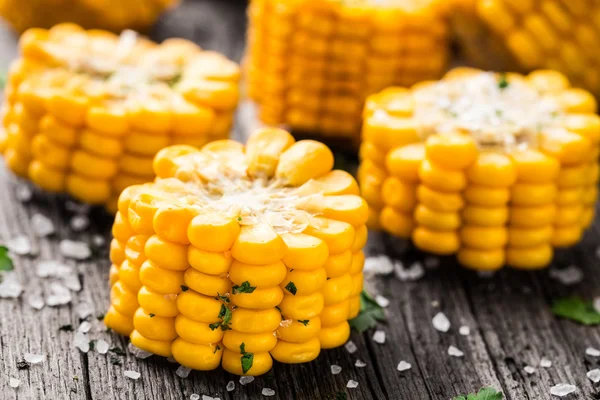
point(310, 65)
point(495, 168)
point(86, 111)
point(237, 255)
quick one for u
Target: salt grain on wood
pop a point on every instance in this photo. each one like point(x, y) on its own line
point(352, 384)
point(464, 330)
point(41, 225)
point(403, 366)
point(36, 301)
point(132, 374)
point(529, 369)
point(85, 327)
point(74, 249)
point(59, 295)
point(594, 375)
point(336, 369)
point(350, 347)
point(244, 380)
point(82, 342)
point(195, 397)
point(567, 276)
point(545, 363)
point(440, 322)
point(562, 389)
point(379, 337)
point(79, 223)
point(84, 310)
point(382, 301)
point(102, 346)
point(139, 353)
point(14, 383)
point(34, 358)
point(19, 245)
point(10, 287)
point(23, 193)
point(268, 392)
point(412, 273)
point(183, 372)
point(455, 352)
point(52, 268)
point(590, 351)
point(360, 364)
point(378, 265)
point(230, 386)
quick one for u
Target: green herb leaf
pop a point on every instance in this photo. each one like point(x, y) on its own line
point(214, 326)
point(217, 348)
point(224, 298)
point(370, 313)
point(341, 396)
point(66, 328)
point(247, 360)
point(118, 351)
point(184, 288)
point(502, 81)
point(304, 321)
point(92, 345)
point(3, 79)
point(290, 287)
point(243, 348)
point(486, 393)
point(243, 288)
point(100, 317)
point(114, 360)
point(576, 309)
point(152, 315)
point(22, 364)
point(6, 263)
point(240, 219)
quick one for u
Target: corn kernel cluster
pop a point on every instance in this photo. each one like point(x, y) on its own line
point(114, 15)
point(525, 35)
point(497, 168)
point(239, 254)
point(311, 64)
point(86, 111)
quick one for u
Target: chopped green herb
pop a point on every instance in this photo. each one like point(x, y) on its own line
point(499, 113)
point(22, 364)
point(304, 321)
point(108, 330)
point(341, 396)
point(243, 348)
point(118, 351)
point(486, 393)
point(152, 315)
point(243, 288)
point(370, 313)
point(92, 345)
point(224, 298)
point(2, 79)
point(75, 378)
point(247, 358)
point(100, 317)
point(114, 360)
point(217, 348)
point(184, 288)
point(502, 81)
point(66, 328)
point(225, 316)
point(214, 326)
point(290, 287)
point(239, 218)
point(576, 309)
point(6, 263)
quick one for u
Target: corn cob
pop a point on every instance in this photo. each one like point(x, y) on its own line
point(512, 35)
point(496, 168)
point(311, 64)
point(236, 255)
point(114, 15)
point(86, 111)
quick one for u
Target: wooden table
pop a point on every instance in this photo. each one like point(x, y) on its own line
point(509, 314)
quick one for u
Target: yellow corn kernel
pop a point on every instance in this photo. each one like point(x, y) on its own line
point(439, 201)
point(51, 154)
point(302, 307)
point(259, 299)
point(122, 299)
point(548, 81)
point(213, 232)
point(388, 132)
point(258, 244)
point(404, 162)
point(532, 217)
point(198, 307)
point(134, 250)
point(253, 343)
point(396, 222)
point(209, 285)
point(398, 194)
point(494, 12)
point(337, 289)
point(99, 145)
point(304, 252)
point(484, 238)
point(156, 303)
point(16, 162)
point(492, 169)
point(118, 322)
point(161, 280)
point(572, 177)
point(529, 257)
point(569, 196)
point(338, 182)
point(569, 148)
point(436, 220)
point(568, 215)
point(481, 260)
point(107, 120)
point(451, 151)
point(165, 163)
point(208, 262)
point(172, 223)
point(304, 160)
point(47, 178)
point(306, 282)
point(296, 353)
point(117, 252)
point(436, 242)
point(485, 216)
point(129, 274)
point(264, 149)
point(196, 332)
point(437, 178)
point(334, 336)
point(567, 235)
point(299, 332)
point(262, 362)
point(587, 217)
point(577, 100)
point(529, 237)
point(255, 321)
point(524, 194)
point(201, 357)
point(535, 167)
point(338, 264)
point(587, 125)
point(166, 254)
point(113, 274)
point(339, 236)
point(154, 327)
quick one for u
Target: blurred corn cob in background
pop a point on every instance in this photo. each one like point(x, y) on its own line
point(311, 64)
point(498, 168)
point(86, 111)
point(523, 35)
point(239, 254)
point(114, 15)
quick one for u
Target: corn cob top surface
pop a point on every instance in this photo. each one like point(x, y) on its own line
point(390, 7)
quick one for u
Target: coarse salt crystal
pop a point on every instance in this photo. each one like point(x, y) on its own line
point(137, 352)
point(244, 380)
point(82, 342)
point(72, 282)
point(14, 383)
point(23, 193)
point(19, 245)
point(486, 274)
point(74, 249)
point(545, 363)
point(183, 372)
point(195, 396)
point(378, 265)
point(455, 352)
point(268, 392)
point(360, 364)
point(594, 375)
point(85, 327)
point(382, 301)
point(171, 360)
point(98, 240)
point(440, 322)
point(41, 225)
point(567, 276)
point(562, 389)
point(53, 268)
point(132, 374)
point(464, 330)
point(230, 386)
point(77, 208)
point(207, 397)
point(10, 287)
point(590, 351)
point(79, 223)
point(36, 301)
point(59, 295)
point(350, 347)
point(435, 303)
point(336, 369)
point(403, 366)
point(102, 346)
point(597, 304)
point(412, 273)
point(379, 337)
point(352, 384)
point(84, 310)
point(34, 358)
point(529, 369)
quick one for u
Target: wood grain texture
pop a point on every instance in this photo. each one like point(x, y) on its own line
point(509, 314)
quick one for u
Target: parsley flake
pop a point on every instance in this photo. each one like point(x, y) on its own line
point(118, 351)
point(152, 315)
point(184, 288)
point(217, 348)
point(114, 360)
point(502, 81)
point(243, 288)
point(291, 287)
point(370, 313)
point(223, 297)
point(23, 364)
point(486, 393)
point(247, 358)
point(576, 309)
point(66, 328)
point(304, 321)
point(100, 317)
point(6, 263)
point(240, 219)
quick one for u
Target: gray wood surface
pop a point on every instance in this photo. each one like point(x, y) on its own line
point(509, 314)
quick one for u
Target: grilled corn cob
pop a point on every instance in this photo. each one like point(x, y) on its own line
point(236, 254)
point(114, 15)
point(311, 64)
point(496, 168)
point(510, 35)
point(86, 111)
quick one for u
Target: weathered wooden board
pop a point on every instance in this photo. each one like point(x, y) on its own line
point(509, 314)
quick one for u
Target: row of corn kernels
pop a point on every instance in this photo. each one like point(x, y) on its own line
point(89, 123)
point(525, 35)
point(312, 64)
point(492, 207)
point(201, 274)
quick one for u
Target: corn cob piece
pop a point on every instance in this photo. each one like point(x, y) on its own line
point(498, 169)
point(311, 64)
point(86, 111)
point(113, 15)
point(511, 35)
point(236, 255)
